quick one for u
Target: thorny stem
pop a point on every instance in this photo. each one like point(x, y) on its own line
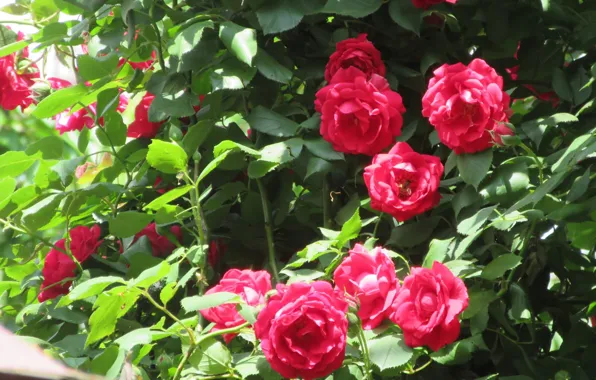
point(365, 353)
point(416, 370)
point(268, 228)
point(162, 63)
point(169, 314)
point(536, 159)
point(326, 204)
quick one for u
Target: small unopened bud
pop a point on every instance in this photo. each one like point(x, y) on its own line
point(196, 156)
point(353, 319)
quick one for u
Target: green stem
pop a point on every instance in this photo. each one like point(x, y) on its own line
point(268, 229)
point(201, 339)
point(413, 371)
point(326, 204)
point(169, 314)
point(365, 353)
point(522, 254)
point(536, 159)
point(162, 63)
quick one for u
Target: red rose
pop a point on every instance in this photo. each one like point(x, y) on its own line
point(467, 106)
point(427, 307)
point(370, 278)
point(58, 266)
point(424, 4)
point(359, 115)
point(250, 285)
point(217, 248)
point(142, 127)
point(303, 330)
point(160, 245)
point(84, 241)
point(355, 52)
point(15, 84)
point(403, 183)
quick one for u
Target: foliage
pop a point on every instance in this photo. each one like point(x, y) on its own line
point(238, 176)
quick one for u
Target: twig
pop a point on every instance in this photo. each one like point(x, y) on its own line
point(268, 228)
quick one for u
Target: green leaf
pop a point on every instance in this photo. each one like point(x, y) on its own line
point(151, 275)
point(59, 101)
point(187, 40)
point(535, 129)
point(545, 188)
point(231, 74)
point(474, 167)
point(406, 15)
point(109, 307)
point(561, 85)
point(240, 41)
point(115, 128)
point(229, 145)
point(323, 149)
point(211, 357)
point(95, 68)
point(213, 165)
point(350, 229)
point(139, 336)
point(42, 212)
point(473, 224)
point(499, 266)
point(13, 47)
point(167, 292)
point(7, 187)
point(389, 351)
point(12, 164)
point(196, 303)
point(505, 181)
point(168, 197)
point(439, 250)
point(279, 16)
point(575, 150)
point(579, 187)
point(129, 223)
point(271, 123)
point(456, 353)
point(413, 233)
point(51, 147)
point(166, 157)
point(479, 300)
point(196, 136)
point(582, 235)
point(259, 168)
point(354, 8)
point(317, 167)
point(271, 69)
point(89, 288)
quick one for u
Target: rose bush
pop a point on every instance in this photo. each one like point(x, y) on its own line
point(318, 189)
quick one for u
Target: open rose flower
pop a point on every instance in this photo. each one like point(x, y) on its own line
point(428, 305)
point(303, 330)
point(403, 183)
point(58, 266)
point(160, 245)
point(15, 83)
point(425, 4)
point(356, 52)
point(141, 126)
point(467, 106)
point(358, 115)
point(370, 278)
point(250, 285)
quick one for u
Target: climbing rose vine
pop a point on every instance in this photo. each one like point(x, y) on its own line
point(328, 189)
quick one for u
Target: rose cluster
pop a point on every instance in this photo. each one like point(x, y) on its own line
point(303, 326)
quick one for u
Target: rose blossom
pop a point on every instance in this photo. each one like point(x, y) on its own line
point(160, 245)
point(303, 330)
point(403, 183)
point(427, 307)
point(358, 115)
point(15, 86)
point(358, 52)
point(58, 266)
point(467, 106)
point(67, 121)
point(141, 126)
point(370, 278)
point(425, 4)
point(217, 248)
point(250, 285)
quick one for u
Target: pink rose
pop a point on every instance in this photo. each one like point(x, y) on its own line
point(467, 106)
point(358, 115)
point(141, 126)
point(160, 245)
point(303, 330)
point(15, 83)
point(427, 307)
point(403, 183)
point(250, 285)
point(355, 52)
point(370, 278)
point(424, 4)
